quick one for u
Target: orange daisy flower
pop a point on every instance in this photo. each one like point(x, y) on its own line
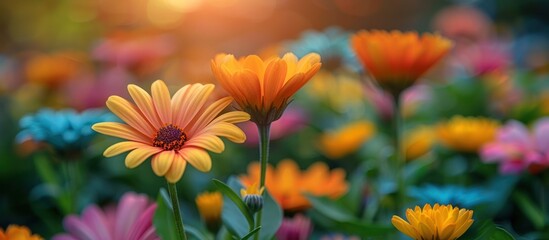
point(173, 131)
point(18, 232)
point(263, 88)
point(397, 60)
point(287, 184)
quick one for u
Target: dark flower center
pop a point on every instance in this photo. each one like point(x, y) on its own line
point(170, 137)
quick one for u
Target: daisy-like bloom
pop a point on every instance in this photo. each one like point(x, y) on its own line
point(173, 131)
point(346, 140)
point(297, 228)
point(67, 131)
point(440, 222)
point(516, 149)
point(396, 60)
point(419, 142)
point(130, 219)
point(288, 185)
point(467, 134)
point(15, 232)
point(263, 88)
point(210, 206)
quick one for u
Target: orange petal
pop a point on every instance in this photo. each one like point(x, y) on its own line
point(198, 158)
point(162, 162)
point(121, 130)
point(161, 101)
point(176, 170)
point(139, 155)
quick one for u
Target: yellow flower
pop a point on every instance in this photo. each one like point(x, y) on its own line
point(419, 142)
point(340, 91)
point(15, 232)
point(396, 60)
point(287, 184)
point(252, 189)
point(173, 131)
point(263, 88)
point(347, 139)
point(210, 206)
point(467, 134)
point(437, 223)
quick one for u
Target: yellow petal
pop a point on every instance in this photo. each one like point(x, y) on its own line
point(162, 162)
point(139, 155)
point(198, 158)
point(187, 103)
point(404, 227)
point(121, 130)
point(129, 114)
point(446, 232)
point(143, 100)
point(122, 147)
point(176, 170)
point(228, 130)
point(210, 113)
point(460, 230)
point(209, 142)
point(161, 101)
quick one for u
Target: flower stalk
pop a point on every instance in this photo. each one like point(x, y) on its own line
point(399, 152)
point(264, 141)
point(172, 190)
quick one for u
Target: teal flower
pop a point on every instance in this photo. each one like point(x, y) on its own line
point(65, 130)
point(465, 197)
point(332, 45)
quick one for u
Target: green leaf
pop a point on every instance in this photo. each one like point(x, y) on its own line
point(45, 170)
point(489, 231)
point(163, 219)
point(193, 233)
point(235, 213)
point(338, 218)
point(250, 234)
point(271, 218)
point(533, 212)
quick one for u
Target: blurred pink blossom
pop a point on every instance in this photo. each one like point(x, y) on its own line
point(516, 149)
point(130, 220)
point(411, 99)
point(291, 121)
point(138, 52)
point(297, 228)
point(463, 24)
point(483, 58)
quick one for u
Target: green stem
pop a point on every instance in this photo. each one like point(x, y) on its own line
point(172, 189)
point(264, 140)
point(400, 154)
point(70, 185)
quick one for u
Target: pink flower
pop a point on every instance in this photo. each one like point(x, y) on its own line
point(297, 228)
point(483, 58)
point(291, 121)
point(130, 220)
point(516, 149)
point(411, 99)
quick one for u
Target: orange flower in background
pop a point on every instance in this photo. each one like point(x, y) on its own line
point(346, 140)
point(396, 60)
point(263, 88)
point(53, 70)
point(173, 131)
point(288, 185)
point(419, 142)
point(467, 134)
point(15, 232)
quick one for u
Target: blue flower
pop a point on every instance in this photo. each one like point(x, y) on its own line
point(332, 45)
point(463, 197)
point(65, 130)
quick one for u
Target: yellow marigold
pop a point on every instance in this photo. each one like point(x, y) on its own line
point(252, 189)
point(287, 184)
point(263, 88)
point(418, 142)
point(348, 139)
point(15, 232)
point(467, 134)
point(396, 60)
point(437, 223)
point(210, 205)
point(173, 131)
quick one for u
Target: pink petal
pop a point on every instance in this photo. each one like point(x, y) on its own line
point(95, 219)
point(79, 229)
point(129, 208)
point(143, 223)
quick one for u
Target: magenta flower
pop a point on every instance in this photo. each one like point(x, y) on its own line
point(297, 228)
point(516, 149)
point(484, 58)
point(130, 220)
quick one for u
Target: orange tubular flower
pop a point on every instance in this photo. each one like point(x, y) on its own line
point(173, 131)
point(397, 60)
point(19, 233)
point(263, 88)
point(287, 184)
